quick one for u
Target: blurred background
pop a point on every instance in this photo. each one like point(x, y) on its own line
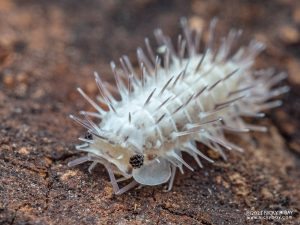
point(48, 48)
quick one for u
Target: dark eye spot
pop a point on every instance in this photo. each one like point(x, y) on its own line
point(136, 161)
point(88, 136)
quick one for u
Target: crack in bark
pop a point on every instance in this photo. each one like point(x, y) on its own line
point(15, 213)
point(178, 213)
point(50, 183)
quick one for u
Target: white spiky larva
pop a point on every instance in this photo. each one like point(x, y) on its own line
point(193, 97)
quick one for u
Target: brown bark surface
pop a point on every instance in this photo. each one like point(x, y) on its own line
point(48, 48)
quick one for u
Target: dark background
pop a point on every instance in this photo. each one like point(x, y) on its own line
point(48, 48)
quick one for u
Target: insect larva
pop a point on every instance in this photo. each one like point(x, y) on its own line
point(192, 97)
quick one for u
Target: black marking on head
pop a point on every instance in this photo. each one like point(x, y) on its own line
point(136, 161)
point(88, 135)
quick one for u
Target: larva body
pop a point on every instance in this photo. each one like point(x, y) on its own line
point(169, 107)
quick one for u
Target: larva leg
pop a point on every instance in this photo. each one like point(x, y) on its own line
point(78, 161)
point(132, 184)
point(113, 180)
point(122, 179)
point(170, 186)
point(114, 183)
point(92, 166)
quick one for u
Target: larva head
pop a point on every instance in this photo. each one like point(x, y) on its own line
point(130, 161)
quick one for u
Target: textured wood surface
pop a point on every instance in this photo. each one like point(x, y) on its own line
point(48, 48)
